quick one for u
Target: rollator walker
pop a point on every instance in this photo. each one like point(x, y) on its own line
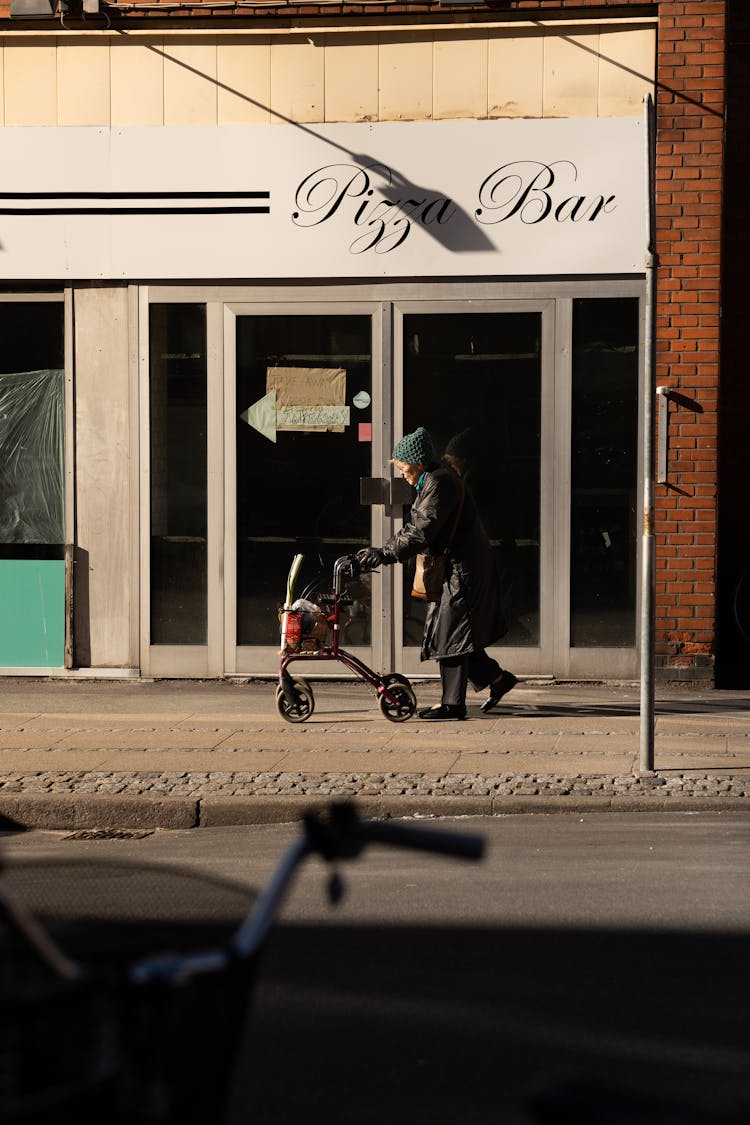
point(312, 632)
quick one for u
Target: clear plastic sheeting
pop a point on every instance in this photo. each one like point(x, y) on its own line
point(32, 434)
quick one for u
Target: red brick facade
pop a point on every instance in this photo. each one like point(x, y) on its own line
point(689, 172)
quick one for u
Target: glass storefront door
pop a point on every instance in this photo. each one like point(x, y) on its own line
point(476, 381)
point(304, 420)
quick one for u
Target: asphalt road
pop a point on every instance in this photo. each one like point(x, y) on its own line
point(584, 950)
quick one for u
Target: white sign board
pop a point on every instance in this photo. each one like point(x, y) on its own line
point(400, 199)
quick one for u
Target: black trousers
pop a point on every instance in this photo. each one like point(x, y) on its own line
point(476, 668)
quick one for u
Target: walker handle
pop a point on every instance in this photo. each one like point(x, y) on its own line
point(347, 566)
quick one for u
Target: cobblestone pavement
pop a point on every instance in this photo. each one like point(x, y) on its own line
point(297, 784)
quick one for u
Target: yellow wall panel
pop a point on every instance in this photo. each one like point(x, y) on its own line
point(297, 80)
point(244, 74)
point(515, 78)
point(405, 76)
point(190, 82)
point(30, 82)
point(137, 81)
point(460, 76)
point(571, 75)
point(2, 81)
point(351, 79)
point(83, 82)
point(626, 70)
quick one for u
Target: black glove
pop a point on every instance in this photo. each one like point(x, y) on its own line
point(369, 558)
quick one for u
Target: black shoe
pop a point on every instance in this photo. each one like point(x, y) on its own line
point(500, 688)
point(444, 712)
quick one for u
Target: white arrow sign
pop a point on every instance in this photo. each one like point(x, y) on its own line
point(262, 415)
point(265, 417)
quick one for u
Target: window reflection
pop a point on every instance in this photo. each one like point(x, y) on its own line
point(604, 472)
point(178, 401)
point(32, 429)
point(474, 381)
point(300, 493)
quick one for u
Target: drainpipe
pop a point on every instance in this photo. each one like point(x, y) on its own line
point(648, 551)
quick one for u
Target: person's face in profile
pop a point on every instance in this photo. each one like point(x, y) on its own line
point(410, 473)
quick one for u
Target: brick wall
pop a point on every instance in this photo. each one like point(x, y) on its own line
point(690, 116)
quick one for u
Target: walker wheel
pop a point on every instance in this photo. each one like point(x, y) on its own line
point(304, 702)
point(403, 703)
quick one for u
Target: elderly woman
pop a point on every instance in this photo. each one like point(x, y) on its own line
point(468, 616)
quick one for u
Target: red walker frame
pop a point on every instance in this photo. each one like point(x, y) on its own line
point(394, 691)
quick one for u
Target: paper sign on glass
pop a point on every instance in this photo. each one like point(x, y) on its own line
point(309, 398)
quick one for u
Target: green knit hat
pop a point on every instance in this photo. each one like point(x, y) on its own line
point(415, 449)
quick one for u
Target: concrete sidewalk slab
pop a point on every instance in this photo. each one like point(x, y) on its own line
point(702, 744)
point(689, 763)
point(139, 761)
point(701, 726)
point(373, 761)
point(298, 740)
point(37, 761)
point(570, 725)
point(565, 765)
point(125, 739)
point(85, 720)
point(603, 743)
point(30, 739)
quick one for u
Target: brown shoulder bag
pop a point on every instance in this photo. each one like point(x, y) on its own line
point(429, 575)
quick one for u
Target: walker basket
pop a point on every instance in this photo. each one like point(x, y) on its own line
point(313, 627)
point(104, 1048)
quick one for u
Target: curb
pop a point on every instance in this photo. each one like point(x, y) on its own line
point(61, 813)
point(39, 810)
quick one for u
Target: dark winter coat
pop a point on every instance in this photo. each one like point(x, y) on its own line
point(469, 615)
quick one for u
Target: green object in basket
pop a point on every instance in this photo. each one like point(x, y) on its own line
point(291, 581)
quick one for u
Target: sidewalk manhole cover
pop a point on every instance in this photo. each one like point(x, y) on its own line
point(109, 834)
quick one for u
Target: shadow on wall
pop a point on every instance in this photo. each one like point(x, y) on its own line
point(81, 609)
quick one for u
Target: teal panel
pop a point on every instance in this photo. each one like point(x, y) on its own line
point(32, 613)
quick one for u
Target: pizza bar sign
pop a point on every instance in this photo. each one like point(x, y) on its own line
point(529, 191)
point(397, 199)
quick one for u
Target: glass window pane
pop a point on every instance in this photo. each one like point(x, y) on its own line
point(477, 377)
point(32, 427)
point(300, 494)
point(178, 400)
point(604, 472)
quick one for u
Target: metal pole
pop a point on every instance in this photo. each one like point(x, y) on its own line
point(648, 552)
